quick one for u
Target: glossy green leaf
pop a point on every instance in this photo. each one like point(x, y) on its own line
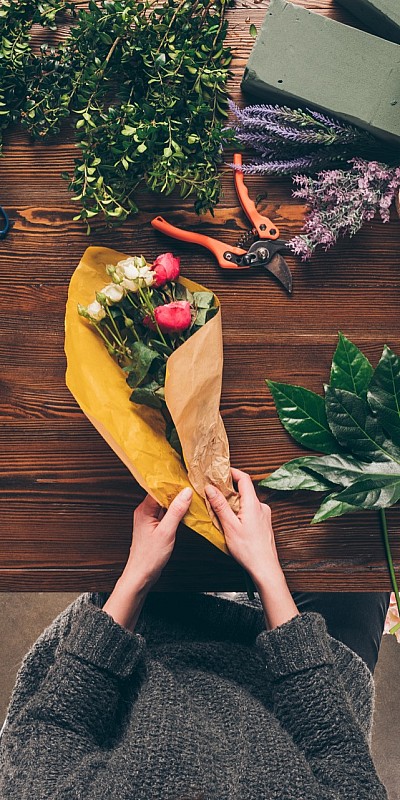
point(253, 31)
point(350, 368)
point(294, 475)
point(372, 491)
point(303, 415)
point(384, 393)
point(344, 470)
point(141, 361)
point(332, 507)
point(148, 396)
point(355, 427)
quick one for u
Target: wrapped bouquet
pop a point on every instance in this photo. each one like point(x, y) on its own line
point(144, 362)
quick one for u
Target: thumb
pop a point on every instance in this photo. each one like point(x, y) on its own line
point(220, 506)
point(177, 510)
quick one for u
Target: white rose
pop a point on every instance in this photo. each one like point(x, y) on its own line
point(130, 286)
point(127, 268)
point(96, 311)
point(146, 275)
point(114, 292)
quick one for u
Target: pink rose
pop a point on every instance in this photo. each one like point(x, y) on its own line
point(165, 268)
point(173, 317)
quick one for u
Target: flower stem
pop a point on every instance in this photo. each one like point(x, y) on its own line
point(384, 528)
point(117, 331)
point(149, 305)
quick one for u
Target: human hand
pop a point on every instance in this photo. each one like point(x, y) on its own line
point(250, 540)
point(153, 538)
point(249, 535)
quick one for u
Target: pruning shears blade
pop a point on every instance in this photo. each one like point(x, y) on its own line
point(278, 267)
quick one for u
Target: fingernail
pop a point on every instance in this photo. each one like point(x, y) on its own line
point(186, 494)
point(211, 491)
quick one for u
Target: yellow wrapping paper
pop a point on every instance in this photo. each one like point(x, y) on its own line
point(136, 433)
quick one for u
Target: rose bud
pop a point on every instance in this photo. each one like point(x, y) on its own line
point(113, 293)
point(96, 311)
point(173, 317)
point(165, 268)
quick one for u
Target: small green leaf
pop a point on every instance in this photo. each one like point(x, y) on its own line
point(384, 393)
point(350, 369)
point(127, 130)
point(253, 31)
point(302, 413)
point(146, 396)
point(142, 148)
point(203, 299)
point(294, 475)
point(160, 60)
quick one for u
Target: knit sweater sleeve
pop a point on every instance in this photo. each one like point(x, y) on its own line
point(61, 735)
point(311, 703)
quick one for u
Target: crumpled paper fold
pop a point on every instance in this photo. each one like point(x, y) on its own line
point(136, 433)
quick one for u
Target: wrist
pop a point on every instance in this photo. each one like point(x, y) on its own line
point(276, 599)
point(269, 580)
point(126, 601)
point(134, 583)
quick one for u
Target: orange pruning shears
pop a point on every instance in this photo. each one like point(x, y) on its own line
point(265, 251)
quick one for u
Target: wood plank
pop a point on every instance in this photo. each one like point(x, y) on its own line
point(66, 502)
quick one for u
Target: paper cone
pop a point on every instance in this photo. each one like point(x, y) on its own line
point(136, 433)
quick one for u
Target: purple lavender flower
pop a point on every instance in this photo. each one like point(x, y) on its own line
point(302, 127)
point(341, 201)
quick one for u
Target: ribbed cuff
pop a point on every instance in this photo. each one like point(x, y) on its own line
point(300, 643)
point(97, 639)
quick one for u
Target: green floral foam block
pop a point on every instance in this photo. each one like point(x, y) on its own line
point(381, 16)
point(303, 58)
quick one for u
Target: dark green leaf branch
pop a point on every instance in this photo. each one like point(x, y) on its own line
point(357, 426)
point(144, 84)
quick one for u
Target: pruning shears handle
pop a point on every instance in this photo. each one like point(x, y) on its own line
point(6, 226)
point(220, 249)
point(264, 227)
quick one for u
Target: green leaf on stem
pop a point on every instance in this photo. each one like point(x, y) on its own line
point(372, 491)
point(356, 428)
point(332, 507)
point(203, 299)
point(384, 393)
point(294, 475)
point(303, 415)
point(147, 396)
point(350, 368)
point(141, 361)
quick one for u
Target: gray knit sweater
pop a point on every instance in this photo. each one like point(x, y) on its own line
point(201, 702)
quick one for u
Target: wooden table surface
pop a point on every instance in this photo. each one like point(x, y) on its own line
point(66, 500)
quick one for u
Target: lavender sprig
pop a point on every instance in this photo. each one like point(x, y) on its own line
point(291, 139)
point(341, 201)
point(273, 162)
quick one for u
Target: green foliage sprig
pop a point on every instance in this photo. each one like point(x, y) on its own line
point(17, 60)
point(145, 84)
point(357, 426)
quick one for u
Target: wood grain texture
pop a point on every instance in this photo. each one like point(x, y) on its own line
point(66, 500)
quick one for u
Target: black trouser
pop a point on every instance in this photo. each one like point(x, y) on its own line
point(355, 618)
